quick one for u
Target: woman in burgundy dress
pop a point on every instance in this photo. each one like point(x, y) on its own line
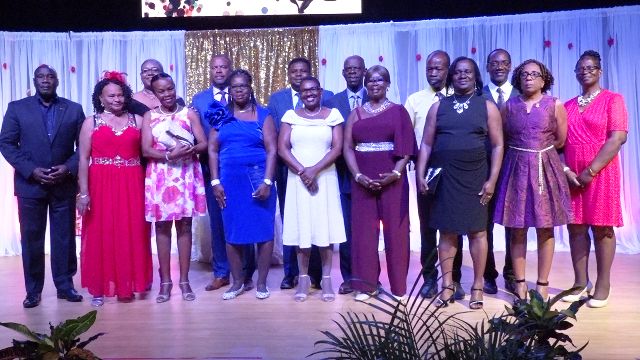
point(532, 190)
point(597, 128)
point(378, 142)
point(116, 247)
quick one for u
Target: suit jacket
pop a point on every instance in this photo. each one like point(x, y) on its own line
point(486, 93)
point(25, 144)
point(341, 102)
point(282, 100)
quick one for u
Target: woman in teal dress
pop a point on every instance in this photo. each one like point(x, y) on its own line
point(242, 154)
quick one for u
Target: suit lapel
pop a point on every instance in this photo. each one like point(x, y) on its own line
point(61, 108)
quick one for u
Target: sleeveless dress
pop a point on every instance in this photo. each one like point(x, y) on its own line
point(116, 246)
point(599, 202)
point(174, 189)
point(242, 156)
point(532, 190)
point(310, 219)
point(459, 149)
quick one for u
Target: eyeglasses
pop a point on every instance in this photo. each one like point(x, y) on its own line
point(376, 80)
point(463, 72)
point(590, 69)
point(534, 75)
point(239, 87)
point(310, 90)
point(495, 64)
point(146, 71)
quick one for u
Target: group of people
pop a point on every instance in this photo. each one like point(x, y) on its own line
point(503, 153)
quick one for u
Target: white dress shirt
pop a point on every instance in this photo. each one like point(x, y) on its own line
point(506, 90)
point(418, 105)
point(217, 94)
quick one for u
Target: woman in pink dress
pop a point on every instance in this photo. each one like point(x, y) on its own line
point(597, 128)
point(174, 186)
point(116, 249)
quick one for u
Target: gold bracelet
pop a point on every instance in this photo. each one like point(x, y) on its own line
point(591, 172)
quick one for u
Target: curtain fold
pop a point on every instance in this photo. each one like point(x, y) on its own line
point(265, 53)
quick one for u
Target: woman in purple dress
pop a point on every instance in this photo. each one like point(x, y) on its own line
point(533, 190)
point(378, 142)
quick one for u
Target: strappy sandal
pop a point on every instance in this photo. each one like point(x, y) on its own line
point(543, 284)
point(517, 297)
point(97, 301)
point(476, 304)
point(328, 294)
point(304, 283)
point(440, 302)
point(187, 293)
point(165, 292)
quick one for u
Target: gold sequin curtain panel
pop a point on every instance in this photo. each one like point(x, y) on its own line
point(263, 52)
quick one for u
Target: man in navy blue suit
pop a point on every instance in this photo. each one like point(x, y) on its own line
point(279, 103)
point(498, 90)
point(345, 101)
point(39, 138)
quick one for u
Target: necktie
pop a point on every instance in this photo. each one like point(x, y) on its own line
point(299, 102)
point(440, 95)
point(500, 101)
point(355, 101)
point(223, 97)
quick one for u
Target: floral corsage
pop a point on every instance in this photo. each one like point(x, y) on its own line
point(217, 115)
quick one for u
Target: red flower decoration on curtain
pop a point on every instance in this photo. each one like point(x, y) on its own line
point(474, 50)
point(171, 67)
point(72, 69)
point(418, 57)
point(4, 66)
point(547, 43)
point(380, 58)
point(570, 45)
point(323, 61)
point(611, 41)
point(115, 75)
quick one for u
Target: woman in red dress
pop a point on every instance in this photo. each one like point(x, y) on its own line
point(597, 128)
point(116, 249)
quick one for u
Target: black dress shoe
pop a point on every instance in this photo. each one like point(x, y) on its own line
point(459, 293)
point(315, 284)
point(289, 282)
point(31, 301)
point(510, 285)
point(70, 295)
point(345, 288)
point(429, 289)
point(490, 287)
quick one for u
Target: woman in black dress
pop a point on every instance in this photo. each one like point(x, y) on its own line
point(454, 139)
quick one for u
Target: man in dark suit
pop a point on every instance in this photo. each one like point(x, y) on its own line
point(345, 101)
point(39, 138)
point(498, 90)
point(280, 102)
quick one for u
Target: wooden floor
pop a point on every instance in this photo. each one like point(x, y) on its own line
point(279, 328)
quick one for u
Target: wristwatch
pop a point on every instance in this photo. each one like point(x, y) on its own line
point(268, 182)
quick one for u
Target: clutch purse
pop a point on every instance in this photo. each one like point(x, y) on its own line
point(169, 134)
point(432, 178)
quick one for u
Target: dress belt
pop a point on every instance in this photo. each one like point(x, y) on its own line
point(540, 168)
point(116, 161)
point(374, 146)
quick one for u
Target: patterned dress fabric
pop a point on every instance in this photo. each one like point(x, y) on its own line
point(242, 156)
point(310, 219)
point(116, 246)
point(522, 200)
point(175, 189)
point(599, 202)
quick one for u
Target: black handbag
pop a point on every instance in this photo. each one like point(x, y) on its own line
point(432, 178)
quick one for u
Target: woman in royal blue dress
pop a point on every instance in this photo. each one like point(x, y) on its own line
point(242, 155)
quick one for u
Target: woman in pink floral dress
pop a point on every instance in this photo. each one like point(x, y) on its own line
point(174, 186)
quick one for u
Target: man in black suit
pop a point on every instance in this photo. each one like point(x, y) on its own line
point(498, 90)
point(345, 101)
point(39, 137)
point(280, 102)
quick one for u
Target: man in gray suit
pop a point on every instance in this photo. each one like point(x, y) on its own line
point(498, 90)
point(345, 101)
point(39, 137)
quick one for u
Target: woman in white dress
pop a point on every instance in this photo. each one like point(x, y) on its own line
point(310, 141)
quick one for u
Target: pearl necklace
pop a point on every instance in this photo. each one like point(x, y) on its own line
point(312, 114)
point(168, 114)
point(367, 107)
point(584, 101)
point(461, 107)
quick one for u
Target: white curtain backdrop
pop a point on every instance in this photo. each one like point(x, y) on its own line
point(557, 39)
point(80, 59)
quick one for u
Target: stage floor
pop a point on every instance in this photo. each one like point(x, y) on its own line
point(279, 328)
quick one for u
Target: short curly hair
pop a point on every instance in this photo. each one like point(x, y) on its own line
point(97, 90)
point(547, 77)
